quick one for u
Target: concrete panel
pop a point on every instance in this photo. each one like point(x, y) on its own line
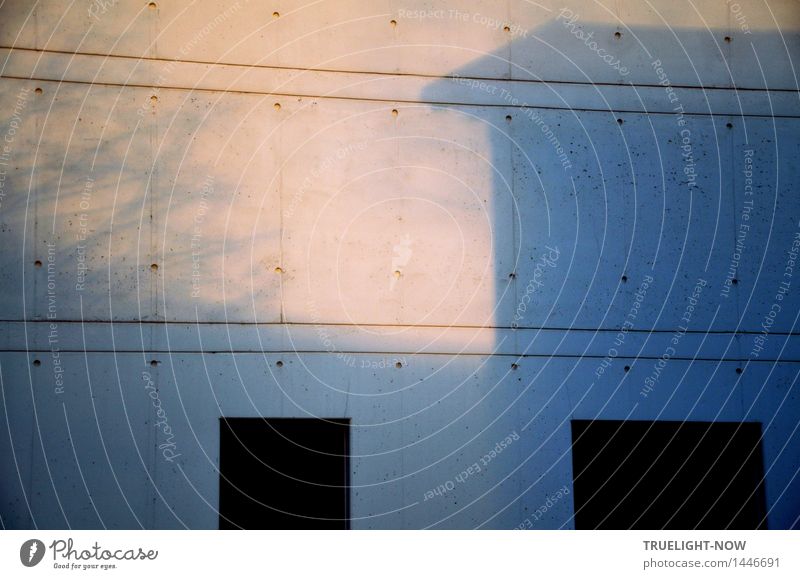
point(383, 184)
point(552, 41)
point(217, 231)
point(20, 115)
point(89, 444)
point(93, 205)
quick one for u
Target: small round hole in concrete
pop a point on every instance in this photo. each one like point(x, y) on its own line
point(506, 29)
point(277, 106)
point(729, 125)
point(398, 365)
point(154, 99)
point(152, 6)
point(620, 121)
point(276, 14)
point(618, 35)
point(394, 112)
point(279, 364)
point(37, 263)
point(512, 275)
point(727, 39)
point(508, 118)
point(153, 267)
point(154, 363)
point(392, 23)
point(739, 370)
point(397, 273)
point(38, 90)
point(278, 269)
point(624, 278)
point(514, 366)
point(37, 363)
point(627, 368)
point(734, 281)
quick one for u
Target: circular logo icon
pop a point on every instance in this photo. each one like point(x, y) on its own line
point(32, 552)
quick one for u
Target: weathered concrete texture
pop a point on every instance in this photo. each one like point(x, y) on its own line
point(530, 224)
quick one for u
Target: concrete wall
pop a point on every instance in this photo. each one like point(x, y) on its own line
point(456, 226)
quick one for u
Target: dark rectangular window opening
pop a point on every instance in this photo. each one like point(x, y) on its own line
point(284, 473)
point(667, 475)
